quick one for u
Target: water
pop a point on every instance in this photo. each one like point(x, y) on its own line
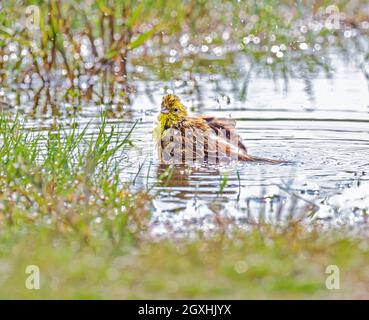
point(321, 125)
point(323, 130)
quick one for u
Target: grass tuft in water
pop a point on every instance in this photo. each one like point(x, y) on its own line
point(67, 186)
point(64, 209)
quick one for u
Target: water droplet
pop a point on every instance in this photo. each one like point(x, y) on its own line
point(184, 40)
point(240, 267)
point(218, 51)
point(256, 40)
point(303, 46)
point(347, 34)
point(279, 54)
point(274, 49)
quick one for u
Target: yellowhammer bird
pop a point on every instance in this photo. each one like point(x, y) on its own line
point(183, 139)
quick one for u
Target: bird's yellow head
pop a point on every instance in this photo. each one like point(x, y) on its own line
point(172, 111)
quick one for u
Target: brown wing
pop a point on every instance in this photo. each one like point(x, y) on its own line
point(227, 125)
point(184, 145)
point(196, 141)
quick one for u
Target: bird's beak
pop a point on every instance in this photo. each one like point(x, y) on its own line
point(164, 110)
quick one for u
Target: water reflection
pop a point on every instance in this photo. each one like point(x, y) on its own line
point(300, 94)
point(326, 138)
point(192, 199)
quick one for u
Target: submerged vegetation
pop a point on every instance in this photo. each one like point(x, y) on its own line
point(63, 53)
point(68, 184)
point(64, 209)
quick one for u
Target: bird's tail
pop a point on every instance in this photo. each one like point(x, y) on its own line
point(247, 157)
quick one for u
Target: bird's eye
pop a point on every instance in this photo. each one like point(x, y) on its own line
point(175, 110)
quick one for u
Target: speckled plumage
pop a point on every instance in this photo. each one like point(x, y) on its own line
point(200, 138)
